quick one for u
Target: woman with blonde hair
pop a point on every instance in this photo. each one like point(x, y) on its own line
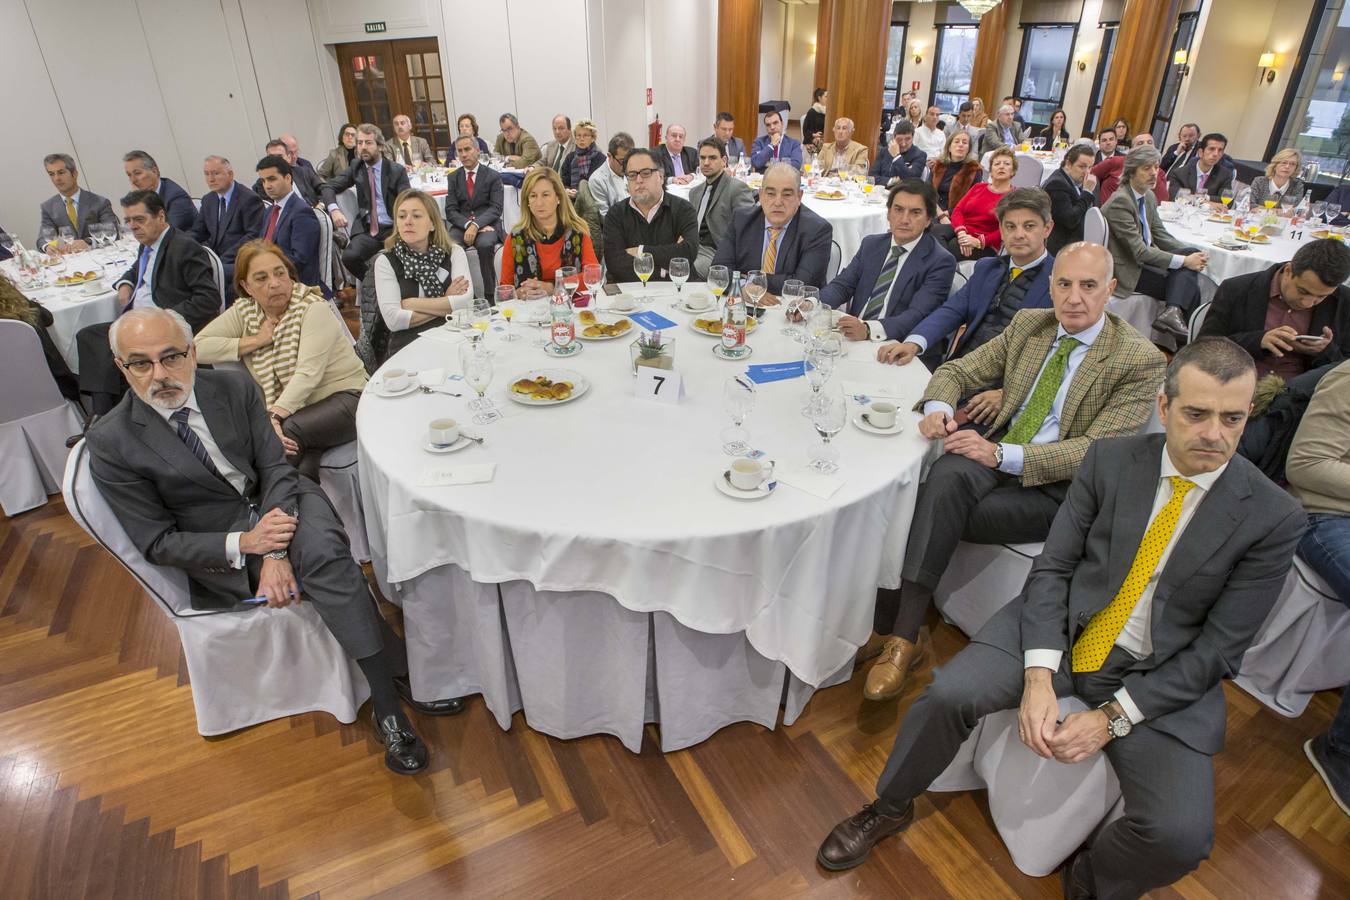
point(1281, 179)
point(421, 276)
point(953, 173)
point(584, 160)
point(550, 235)
point(294, 345)
point(915, 113)
point(978, 117)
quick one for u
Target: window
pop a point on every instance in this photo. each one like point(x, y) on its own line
point(895, 64)
point(955, 58)
point(1104, 57)
point(1167, 97)
point(1043, 69)
point(1316, 108)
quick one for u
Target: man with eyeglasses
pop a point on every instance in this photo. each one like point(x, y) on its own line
point(651, 221)
point(196, 475)
point(171, 271)
point(607, 183)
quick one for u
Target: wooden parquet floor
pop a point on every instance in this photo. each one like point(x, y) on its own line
point(106, 790)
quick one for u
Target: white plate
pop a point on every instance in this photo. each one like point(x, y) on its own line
point(701, 311)
point(612, 337)
point(749, 329)
point(457, 445)
point(377, 388)
point(860, 420)
point(723, 484)
point(815, 196)
point(580, 385)
point(77, 284)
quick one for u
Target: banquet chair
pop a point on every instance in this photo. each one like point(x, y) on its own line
point(245, 666)
point(1030, 172)
point(475, 271)
point(1198, 320)
point(218, 273)
point(35, 421)
point(339, 478)
point(1094, 226)
point(328, 252)
point(836, 258)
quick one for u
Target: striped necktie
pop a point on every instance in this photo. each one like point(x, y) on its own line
point(882, 288)
point(70, 211)
point(194, 443)
point(1143, 224)
point(771, 251)
point(1095, 643)
point(1042, 395)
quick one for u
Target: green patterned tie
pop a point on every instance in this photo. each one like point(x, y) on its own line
point(1026, 425)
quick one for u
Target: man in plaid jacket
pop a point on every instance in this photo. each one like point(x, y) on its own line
point(1060, 379)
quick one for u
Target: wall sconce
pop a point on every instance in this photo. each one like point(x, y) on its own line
point(1082, 62)
point(1267, 66)
point(1179, 59)
point(918, 54)
point(1338, 75)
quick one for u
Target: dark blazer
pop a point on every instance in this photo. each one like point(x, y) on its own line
point(761, 152)
point(486, 206)
point(672, 232)
point(93, 210)
point(1239, 312)
point(178, 206)
point(969, 304)
point(241, 222)
point(175, 511)
point(182, 279)
point(298, 236)
point(1221, 580)
point(735, 146)
point(1176, 155)
point(688, 159)
point(305, 179)
point(803, 252)
point(923, 282)
point(393, 181)
point(1187, 176)
point(910, 164)
point(1068, 205)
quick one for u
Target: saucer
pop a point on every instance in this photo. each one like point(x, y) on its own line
point(721, 353)
point(860, 420)
point(572, 349)
point(460, 444)
point(724, 485)
point(378, 389)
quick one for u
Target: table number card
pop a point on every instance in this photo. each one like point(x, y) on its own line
point(661, 385)
point(651, 320)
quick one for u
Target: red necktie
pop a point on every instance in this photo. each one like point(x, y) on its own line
point(374, 216)
point(272, 221)
point(470, 177)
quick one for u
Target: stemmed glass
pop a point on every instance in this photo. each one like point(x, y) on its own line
point(719, 279)
point(820, 356)
point(566, 280)
point(738, 400)
point(1333, 212)
point(1318, 208)
point(482, 319)
point(476, 366)
point(47, 240)
point(506, 293)
point(1226, 197)
point(792, 304)
point(810, 301)
point(593, 275)
point(755, 287)
point(643, 267)
point(827, 416)
point(65, 238)
point(679, 273)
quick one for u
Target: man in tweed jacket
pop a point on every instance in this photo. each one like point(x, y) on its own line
point(1097, 377)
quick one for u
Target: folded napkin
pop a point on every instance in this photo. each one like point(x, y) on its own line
point(817, 484)
point(442, 477)
point(442, 335)
point(431, 377)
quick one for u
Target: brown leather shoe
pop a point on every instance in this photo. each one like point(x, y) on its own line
point(886, 680)
point(852, 839)
point(874, 647)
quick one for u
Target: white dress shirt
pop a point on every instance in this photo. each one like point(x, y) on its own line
point(875, 330)
point(607, 187)
point(1135, 637)
point(197, 422)
point(930, 140)
point(144, 296)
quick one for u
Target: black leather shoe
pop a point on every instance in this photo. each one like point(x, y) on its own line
point(1170, 320)
point(452, 707)
point(852, 839)
point(1076, 877)
point(404, 752)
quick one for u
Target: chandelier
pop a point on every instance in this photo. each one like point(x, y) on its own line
point(978, 8)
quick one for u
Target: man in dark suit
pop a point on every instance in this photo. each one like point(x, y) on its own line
point(143, 173)
point(1265, 312)
point(1206, 173)
point(171, 271)
point(289, 222)
point(378, 183)
point(1162, 563)
point(774, 145)
point(998, 289)
point(908, 161)
point(307, 182)
point(1108, 145)
point(1188, 142)
point(305, 174)
point(897, 278)
point(473, 208)
point(649, 220)
point(678, 159)
point(1070, 188)
point(195, 472)
point(72, 207)
point(780, 237)
point(228, 217)
point(715, 200)
point(724, 129)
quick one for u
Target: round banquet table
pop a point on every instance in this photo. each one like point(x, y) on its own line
point(76, 306)
point(599, 580)
point(436, 187)
point(1225, 263)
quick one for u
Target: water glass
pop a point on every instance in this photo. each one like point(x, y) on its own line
point(506, 294)
point(643, 267)
point(719, 279)
point(792, 304)
point(828, 415)
point(738, 401)
point(679, 273)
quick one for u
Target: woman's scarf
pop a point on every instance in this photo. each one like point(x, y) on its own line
point(526, 253)
point(274, 364)
point(424, 267)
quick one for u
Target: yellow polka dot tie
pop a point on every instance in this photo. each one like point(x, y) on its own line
point(1097, 639)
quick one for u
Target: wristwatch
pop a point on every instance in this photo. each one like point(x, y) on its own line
point(276, 554)
point(998, 455)
point(1117, 723)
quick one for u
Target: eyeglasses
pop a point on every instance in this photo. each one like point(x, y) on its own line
point(172, 362)
point(641, 173)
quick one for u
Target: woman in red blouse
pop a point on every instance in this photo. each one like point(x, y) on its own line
point(549, 235)
point(977, 231)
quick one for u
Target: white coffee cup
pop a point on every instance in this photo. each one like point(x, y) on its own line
point(881, 414)
point(396, 380)
point(697, 300)
point(624, 302)
point(442, 433)
point(749, 474)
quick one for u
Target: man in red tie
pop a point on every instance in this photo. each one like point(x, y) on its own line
point(473, 208)
point(290, 223)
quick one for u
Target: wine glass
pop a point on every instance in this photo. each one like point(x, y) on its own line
point(482, 319)
point(65, 237)
point(643, 267)
point(792, 304)
point(593, 274)
point(1226, 197)
point(738, 400)
point(1287, 202)
point(756, 285)
point(719, 279)
point(477, 369)
point(46, 239)
point(828, 416)
point(567, 280)
point(506, 294)
point(1318, 208)
point(679, 273)
point(819, 359)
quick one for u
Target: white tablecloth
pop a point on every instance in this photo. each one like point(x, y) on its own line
point(614, 496)
point(1228, 263)
point(71, 307)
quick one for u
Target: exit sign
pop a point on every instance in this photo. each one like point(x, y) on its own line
point(374, 27)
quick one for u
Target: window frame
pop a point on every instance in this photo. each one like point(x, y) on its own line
point(1027, 29)
point(1092, 118)
point(903, 25)
point(1172, 48)
point(933, 90)
point(1297, 72)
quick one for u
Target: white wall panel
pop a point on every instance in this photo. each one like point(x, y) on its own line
point(618, 67)
point(344, 21)
point(549, 49)
point(773, 28)
point(799, 62)
point(289, 71)
point(476, 47)
point(684, 64)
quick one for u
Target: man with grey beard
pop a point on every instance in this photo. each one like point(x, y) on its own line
point(195, 473)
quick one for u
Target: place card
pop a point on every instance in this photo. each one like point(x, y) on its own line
point(661, 385)
point(442, 477)
point(651, 320)
point(763, 374)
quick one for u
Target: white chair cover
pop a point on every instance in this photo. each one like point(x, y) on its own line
point(35, 421)
point(1030, 171)
point(475, 271)
point(1198, 319)
point(836, 259)
point(217, 272)
point(1094, 226)
point(966, 267)
point(245, 667)
point(325, 249)
point(980, 580)
point(340, 481)
point(1139, 310)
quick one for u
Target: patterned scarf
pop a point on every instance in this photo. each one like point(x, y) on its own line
point(424, 267)
point(274, 364)
point(527, 254)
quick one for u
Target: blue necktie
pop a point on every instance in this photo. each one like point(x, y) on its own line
point(1143, 224)
point(194, 443)
point(140, 270)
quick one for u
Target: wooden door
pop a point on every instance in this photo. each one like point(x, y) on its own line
point(383, 79)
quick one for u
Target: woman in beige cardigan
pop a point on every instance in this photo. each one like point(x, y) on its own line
point(296, 348)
